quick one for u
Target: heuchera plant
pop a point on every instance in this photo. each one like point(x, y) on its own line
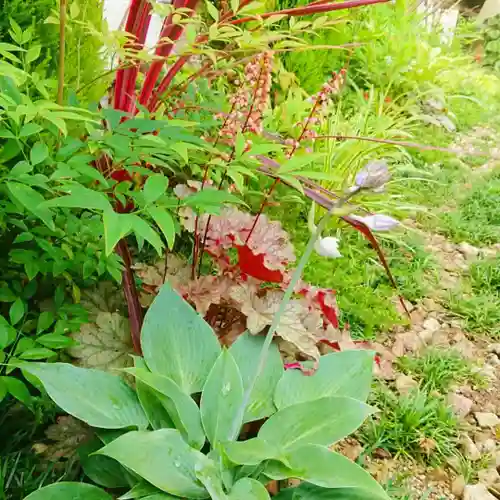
point(182, 431)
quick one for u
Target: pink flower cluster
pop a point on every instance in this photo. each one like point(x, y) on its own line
point(250, 100)
point(320, 102)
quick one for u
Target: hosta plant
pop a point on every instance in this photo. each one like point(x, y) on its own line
point(197, 423)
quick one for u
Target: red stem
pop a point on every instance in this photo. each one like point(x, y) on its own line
point(131, 296)
point(309, 9)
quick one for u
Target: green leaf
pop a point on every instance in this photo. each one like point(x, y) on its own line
point(212, 10)
point(144, 230)
point(165, 222)
point(33, 53)
point(209, 475)
point(30, 129)
point(311, 492)
point(155, 186)
point(37, 353)
point(39, 152)
point(251, 451)
point(248, 489)
point(160, 457)
point(7, 333)
point(297, 162)
point(322, 467)
point(177, 342)
point(113, 406)
point(181, 408)
point(245, 351)
point(45, 320)
point(67, 491)
point(17, 389)
point(31, 200)
point(55, 341)
point(81, 197)
point(210, 198)
point(346, 373)
point(221, 399)
point(323, 421)
point(101, 469)
point(16, 311)
point(116, 227)
point(152, 404)
point(20, 168)
point(140, 490)
point(3, 390)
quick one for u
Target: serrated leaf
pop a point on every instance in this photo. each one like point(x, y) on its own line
point(186, 358)
point(55, 341)
point(31, 200)
point(181, 408)
point(81, 197)
point(116, 227)
point(212, 10)
point(33, 53)
point(161, 458)
point(144, 230)
point(347, 373)
point(37, 353)
point(221, 399)
point(105, 344)
point(165, 222)
point(245, 351)
point(30, 129)
point(113, 406)
point(323, 421)
point(45, 319)
point(17, 389)
point(7, 333)
point(155, 186)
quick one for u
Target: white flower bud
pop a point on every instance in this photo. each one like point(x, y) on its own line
point(328, 247)
point(377, 222)
point(374, 175)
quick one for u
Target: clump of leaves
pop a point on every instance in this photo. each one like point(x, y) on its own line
point(160, 432)
point(439, 369)
point(418, 425)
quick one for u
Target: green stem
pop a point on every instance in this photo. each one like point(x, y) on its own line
point(284, 303)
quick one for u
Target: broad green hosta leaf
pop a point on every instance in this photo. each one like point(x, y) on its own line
point(181, 408)
point(209, 475)
point(322, 467)
point(248, 489)
point(246, 351)
point(67, 491)
point(311, 492)
point(98, 398)
point(162, 458)
point(323, 422)
point(102, 470)
point(221, 398)
point(251, 452)
point(105, 344)
point(177, 342)
point(346, 373)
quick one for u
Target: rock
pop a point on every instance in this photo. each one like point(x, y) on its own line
point(460, 405)
point(458, 486)
point(467, 250)
point(440, 339)
point(431, 324)
point(488, 476)
point(426, 336)
point(469, 448)
point(466, 348)
point(405, 383)
point(477, 492)
point(487, 371)
point(431, 305)
point(495, 348)
point(487, 446)
point(497, 459)
point(486, 419)
point(438, 474)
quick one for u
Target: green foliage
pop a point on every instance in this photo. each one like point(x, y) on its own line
point(477, 219)
point(491, 34)
point(418, 425)
point(439, 370)
point(293, 442)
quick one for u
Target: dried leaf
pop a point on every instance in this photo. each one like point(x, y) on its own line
point(105, 344)
point(204, 291)
point(66, 436)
